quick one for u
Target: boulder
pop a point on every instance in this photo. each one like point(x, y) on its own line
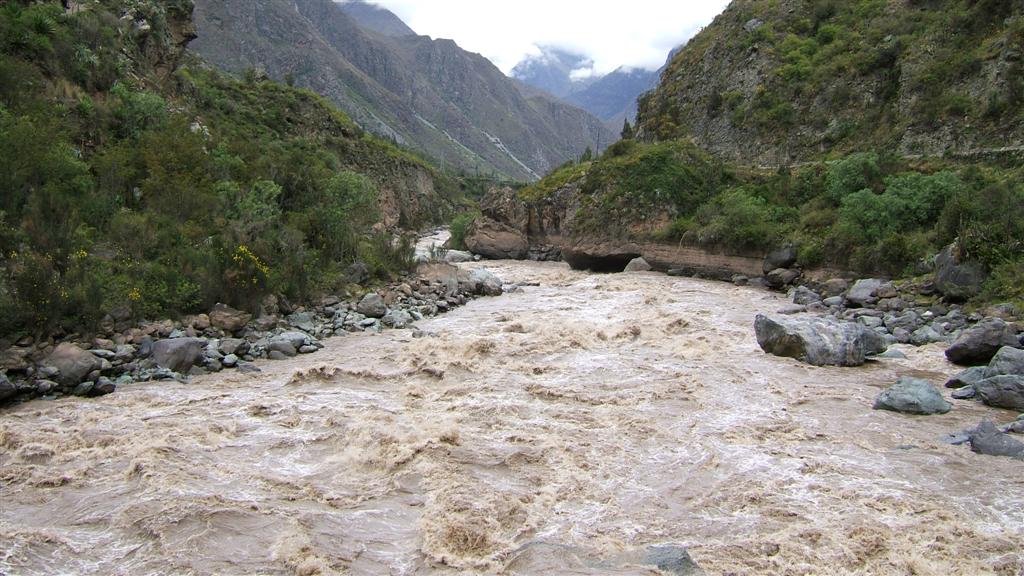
point(912, 396)
point(372, 306)
point(968, 377)
point(228, 319)
point(179, 354)
point(817, 341)
point(804, 296)
point(7, 388)
point(835, 287)
point(302, 320)
point(979, 343)
point(357, 273)
point(863, 292)
point(72, 363)
point(638, 265)
point(1002, 391)
point(781, 277)
point(230, 346)
point(987, 439)
point(1007, 361)
point(493, 239)
point(483, 282)
point(954, 278)
point(457, 257)
point(397, 319)
point(784, 257)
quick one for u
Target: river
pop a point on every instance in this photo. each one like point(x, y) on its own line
point(554, 430)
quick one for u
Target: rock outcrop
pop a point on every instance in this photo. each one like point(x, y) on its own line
point(817, 341)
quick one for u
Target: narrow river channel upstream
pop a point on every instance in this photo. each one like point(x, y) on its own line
point(559, 429)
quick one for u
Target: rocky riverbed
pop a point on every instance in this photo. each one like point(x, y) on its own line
point(586, 424)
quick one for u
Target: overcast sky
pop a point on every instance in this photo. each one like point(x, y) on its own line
point(638, 33)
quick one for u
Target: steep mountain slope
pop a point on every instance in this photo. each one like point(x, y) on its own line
point(431, 95)
point(613, 98)
point(140, 183)
point(772, 82)
point(375, 18)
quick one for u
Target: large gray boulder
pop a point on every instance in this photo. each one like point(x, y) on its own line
point(73, 363)
point(1008, 361)
point(979, 343)
point(817, 341)
point(956, 279)
point(372, 306)
point(968, 377)
point(1002, 391)
point(228, 319)
point(862, 293)
point(481, 282)
point(912, 396)
point(987, 439)
point(179, 354)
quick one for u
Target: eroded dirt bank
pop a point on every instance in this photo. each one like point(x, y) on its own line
point(593, 414)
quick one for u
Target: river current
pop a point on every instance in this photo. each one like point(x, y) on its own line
point(554, 430)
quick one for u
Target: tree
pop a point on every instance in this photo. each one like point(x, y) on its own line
point(628, 133)
point(588, 155)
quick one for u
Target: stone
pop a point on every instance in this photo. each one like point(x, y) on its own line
point(792, 309)
point(925, 335)
point(493, 239)
point(357, 273)
point(740, 280)
point(1002, 391)
point(835, 287)
point(987, 439)
point(103, 387)
point(863, 292)
point(72, 363)
point(817, 341)
point(303, 321)
point(638, 265)
point(912, 396)
point(228, 319)
point(1007, 361)
point(7, 388)
point(784, 257)
point(229, 361)
point(752, 25)
point(308, 349)
point(83, 389)
point(833, 301)
point(671, 559)
point(483, 282)
point(372, 306)
point(179, 354)
point(457, 257)
point(280, 355)
point(804, 296)
point(248, 368)
point(397, 319)
point(15, 358)
point(781, 277)
point(968, 377)
point(956, 279)
point(979, 343)
point(235, 346)
point(965, 393)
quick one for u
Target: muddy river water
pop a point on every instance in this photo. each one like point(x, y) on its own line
point(554, 430)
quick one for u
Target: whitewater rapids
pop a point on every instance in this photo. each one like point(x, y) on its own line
point(553, 430)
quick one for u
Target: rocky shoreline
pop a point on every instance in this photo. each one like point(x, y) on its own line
point(226, 338)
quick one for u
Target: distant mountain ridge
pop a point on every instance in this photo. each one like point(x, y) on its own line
point(375, 18)
point(452, 105)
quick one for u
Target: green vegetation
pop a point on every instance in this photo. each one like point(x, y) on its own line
point(458, 227)
point(132, 184)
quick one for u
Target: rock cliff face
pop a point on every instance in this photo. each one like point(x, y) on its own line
point(510, 227)
point(450, 104)
point(776, 82)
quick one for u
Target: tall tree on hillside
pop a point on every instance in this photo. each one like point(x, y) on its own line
point(628, 133)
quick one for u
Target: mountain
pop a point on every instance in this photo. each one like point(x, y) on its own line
point(613, 97)
point(430, 95)
point(376, 18)
point(773, 82)
point(553, 71)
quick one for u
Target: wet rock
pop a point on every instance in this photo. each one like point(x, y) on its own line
point(804, 296)
point(103, 387)
point(372, 306)
point(303, 321)
point(979, 343)
point(740, 280)
point(280, 353)
point(956, 279)
point(228, 319)
point(7, 388)
point(457, 257)
point(72, 363)
point(791, 310)
point(484, 282)
point(965, 393)
point(835, 287)
point(638, 265)
point(235, 346)
point(817, 341)
point(912, 396)
point(83, 389)
point(926, 335)
point(1002, 391)
point(248, 368)
point(1007, 361)
point(863, 292)
point(781, 277)
point(229, 361)
point(892, 355)
point(968, 377)
point(987, 439)
point(833, 301)
point(397, 319)
point(179, 354)
point(672, 559)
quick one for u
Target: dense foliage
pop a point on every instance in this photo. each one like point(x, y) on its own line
point(136, 187)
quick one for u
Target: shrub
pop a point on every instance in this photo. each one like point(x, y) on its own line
point(851, 174)
point(458, 228)
point(739, 220)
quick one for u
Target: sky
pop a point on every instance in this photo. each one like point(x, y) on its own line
point(637, 33)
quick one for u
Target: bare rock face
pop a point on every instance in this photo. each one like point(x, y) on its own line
point(817, 341)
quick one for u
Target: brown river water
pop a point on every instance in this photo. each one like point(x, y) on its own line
point(555, 430)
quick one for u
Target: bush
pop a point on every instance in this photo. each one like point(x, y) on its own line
point(458, 228)
point(739, 220)
point(851, 174)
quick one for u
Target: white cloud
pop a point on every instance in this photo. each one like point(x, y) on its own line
point(637, 33)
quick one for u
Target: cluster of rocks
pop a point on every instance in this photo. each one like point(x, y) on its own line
point(226, 338)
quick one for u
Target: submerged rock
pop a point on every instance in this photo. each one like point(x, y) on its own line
point(638, 265)
point(912, 396)
point(987, 439)
point(817, 341)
